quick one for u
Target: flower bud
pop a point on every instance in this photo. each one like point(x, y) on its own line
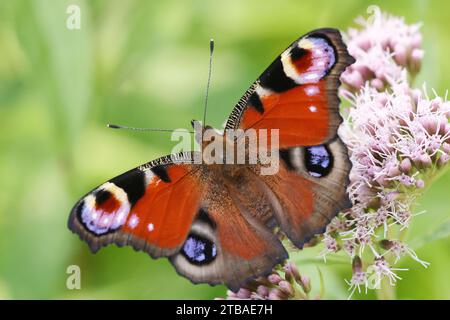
point(286, 288)
point(406, 180)
point(363, 70)
point(305, 283)
point(363, 43)
point(416, 60)
point(263, 291)
point(420, 184)
point(386, 244)
point(436, 104)
point(406, 165)
point(447, 132)
point(417, 95)
point(394, 171)
point(446, 108)
point(382, 180)
point(443, 126)
point(276, 294)
point(353, 79)
point(243, 293)
point(425, 160)
point(382, 99)
point(390, 196)
point(428, 123)
point(377, 84)
point(356, 264)
point(443, 159)
point(446, 147)
point(274, 278)
point(291, 271)
point(400, 54)
point(416, 41)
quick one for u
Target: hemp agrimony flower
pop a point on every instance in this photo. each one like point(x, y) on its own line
point(383, 47)
point(398, 139)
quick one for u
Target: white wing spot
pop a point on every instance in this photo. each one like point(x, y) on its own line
point(94, 215)
point(313, 108)
point(105, 221)
point(150, 227)
point(312, 90)
point(312, 77)
point(134, 221)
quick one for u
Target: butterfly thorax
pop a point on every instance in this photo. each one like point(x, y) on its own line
point(230, 147)
point(240, 183)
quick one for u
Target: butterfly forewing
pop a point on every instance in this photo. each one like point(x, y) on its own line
point(149, 208)
point(297, 93)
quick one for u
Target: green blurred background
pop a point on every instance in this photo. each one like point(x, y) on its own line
point(144, 63)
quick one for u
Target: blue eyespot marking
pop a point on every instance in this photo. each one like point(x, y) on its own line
point(318, 160)
point(199, 250)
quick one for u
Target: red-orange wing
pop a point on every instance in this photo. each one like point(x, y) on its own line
point(172, 207)
point(150, 207)
point(309, 189)
point(297, 93)
point(227, 243)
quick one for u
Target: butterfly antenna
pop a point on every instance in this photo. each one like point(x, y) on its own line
point(116, 126)
point(211, 50)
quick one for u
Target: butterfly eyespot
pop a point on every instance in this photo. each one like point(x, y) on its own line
point(106, 201)
point(105, 210)
point(318, 161)
point(199, 250)
point(297, 53)
point(102, 196)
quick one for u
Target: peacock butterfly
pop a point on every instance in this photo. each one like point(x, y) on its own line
point(216, 222)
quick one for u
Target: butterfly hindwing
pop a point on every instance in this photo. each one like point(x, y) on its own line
point(297, 93)
point(227, 242)
point(309, 189)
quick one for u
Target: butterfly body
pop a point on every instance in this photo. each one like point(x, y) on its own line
point(213, 214)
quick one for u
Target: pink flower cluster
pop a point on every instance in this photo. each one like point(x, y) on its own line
point(383, 47)
point(398, 138)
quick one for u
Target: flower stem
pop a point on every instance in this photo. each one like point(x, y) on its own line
point(386, 291)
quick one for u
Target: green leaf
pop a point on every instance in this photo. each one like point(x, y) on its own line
point(441, 232)
point(322, 283)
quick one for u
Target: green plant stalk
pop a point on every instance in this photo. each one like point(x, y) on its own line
point(386, 291)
